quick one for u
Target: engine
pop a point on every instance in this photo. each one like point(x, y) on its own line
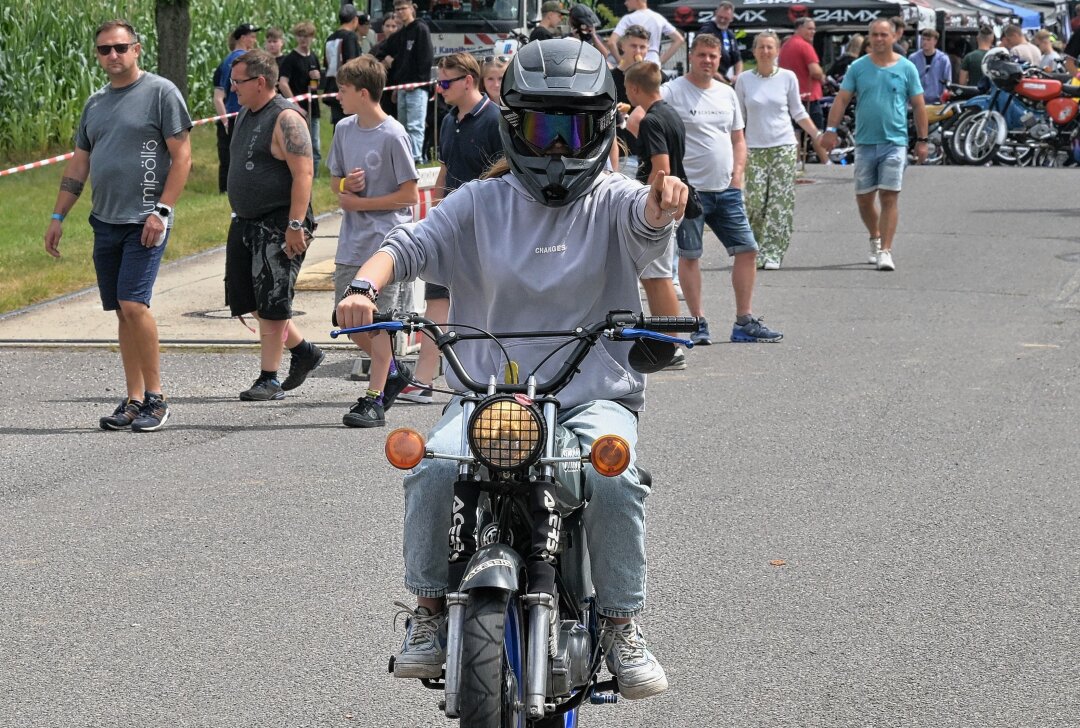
point(570, 666)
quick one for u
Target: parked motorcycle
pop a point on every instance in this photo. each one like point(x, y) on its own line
point(1029, 117)
point(523, 639)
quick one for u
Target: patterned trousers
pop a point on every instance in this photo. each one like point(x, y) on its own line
point(770, 199)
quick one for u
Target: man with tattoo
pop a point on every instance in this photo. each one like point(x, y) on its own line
point(270, 195)
point(133, 138)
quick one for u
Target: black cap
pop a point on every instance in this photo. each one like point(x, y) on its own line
point(363, 19)
point(244, 29)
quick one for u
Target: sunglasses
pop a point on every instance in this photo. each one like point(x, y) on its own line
point(445, 84)
point(238, 81)
point(541, 130)
point(496, 59)
point(120, 48)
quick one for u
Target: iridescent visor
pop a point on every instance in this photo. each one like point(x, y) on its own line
point(542, 130)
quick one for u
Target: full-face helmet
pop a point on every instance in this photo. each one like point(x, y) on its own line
point(1001, 68)
point(557, 95)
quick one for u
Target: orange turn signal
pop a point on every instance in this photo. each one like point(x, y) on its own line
point(405, 448)
point(610, 455)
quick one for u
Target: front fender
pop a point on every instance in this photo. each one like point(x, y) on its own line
point(496, 566)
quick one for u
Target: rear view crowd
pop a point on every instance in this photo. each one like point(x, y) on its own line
point(726, 132)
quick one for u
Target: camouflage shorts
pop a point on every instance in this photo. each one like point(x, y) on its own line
point(258, 275)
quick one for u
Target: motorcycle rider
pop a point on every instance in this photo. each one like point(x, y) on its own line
point(583, 237)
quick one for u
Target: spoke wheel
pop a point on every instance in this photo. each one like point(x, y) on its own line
point(492, 662)
point(981, 141)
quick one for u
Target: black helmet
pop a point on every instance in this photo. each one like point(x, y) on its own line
point(557, 90)
point(583, 15)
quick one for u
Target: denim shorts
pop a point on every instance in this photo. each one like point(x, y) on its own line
point(725, 213)
point(879, 167)
point(126, 269)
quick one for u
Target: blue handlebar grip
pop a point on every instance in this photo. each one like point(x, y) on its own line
point(646, 334)
point(383, 326)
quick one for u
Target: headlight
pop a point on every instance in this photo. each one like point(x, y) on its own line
point(507, 432)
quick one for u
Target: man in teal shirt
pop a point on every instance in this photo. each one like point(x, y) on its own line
point(885, 83)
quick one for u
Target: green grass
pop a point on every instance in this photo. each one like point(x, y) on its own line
point(29, 275)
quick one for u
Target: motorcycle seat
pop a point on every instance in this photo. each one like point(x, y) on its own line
point(963, 92)
point(1073, 92)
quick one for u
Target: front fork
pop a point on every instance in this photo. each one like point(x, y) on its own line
point(540, 601)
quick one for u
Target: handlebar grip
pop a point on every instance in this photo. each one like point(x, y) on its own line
point(669, 323)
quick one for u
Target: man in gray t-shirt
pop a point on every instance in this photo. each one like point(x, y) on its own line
point(133, 143)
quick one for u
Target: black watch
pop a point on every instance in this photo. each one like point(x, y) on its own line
point(164, 210)
point(922, 140)
point(363, 287)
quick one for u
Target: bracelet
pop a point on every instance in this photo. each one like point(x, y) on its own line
point(57, 216)
point(341, 185)
point(921, 140)
point(830, 130)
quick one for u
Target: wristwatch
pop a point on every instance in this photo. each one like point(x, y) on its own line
point(296, 224)
point(362, 286)
point(162, 209)
point(921, 140)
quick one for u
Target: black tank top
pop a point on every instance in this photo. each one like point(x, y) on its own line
point(259, 183)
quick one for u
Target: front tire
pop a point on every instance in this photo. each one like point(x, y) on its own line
point(492, 662)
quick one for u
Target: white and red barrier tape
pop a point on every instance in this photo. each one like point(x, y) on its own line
point(301, 97)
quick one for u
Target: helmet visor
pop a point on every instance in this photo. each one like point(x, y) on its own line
point(540, 130)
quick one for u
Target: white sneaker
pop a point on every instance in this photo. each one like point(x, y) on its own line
point(678, 292)
point(772, 265)
point(678, 362)
point(875, 248)
point(638, 673)
point(884, 260)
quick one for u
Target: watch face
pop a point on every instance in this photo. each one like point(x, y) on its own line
point(295, 225)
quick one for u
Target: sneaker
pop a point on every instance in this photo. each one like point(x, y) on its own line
point(263, 390)
point(772, 265)
point(395, 385)
point(423, 651)
point(885, 261)
point(122, 417)
point(701, 337)
point(875, 248)
point(365, 413)
point(152, 415)
point(678, 361)
point(638, 673)
point(754, 331)
point(418, 395)
point(300, 368)
point(678, 292)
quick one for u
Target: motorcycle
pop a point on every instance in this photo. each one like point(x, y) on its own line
point(941, 118)
point(523, 636)
point(1029, 117)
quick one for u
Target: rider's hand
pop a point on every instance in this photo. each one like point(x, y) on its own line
point(52, 238)
point(667, 200)
point(355, 310)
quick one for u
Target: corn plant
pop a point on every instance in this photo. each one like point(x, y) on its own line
point(49, 66)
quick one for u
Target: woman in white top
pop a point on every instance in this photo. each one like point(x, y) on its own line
point(769, 96)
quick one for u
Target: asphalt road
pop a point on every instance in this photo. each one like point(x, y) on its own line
point(909, 451)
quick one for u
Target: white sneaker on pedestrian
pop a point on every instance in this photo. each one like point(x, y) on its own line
point(885, 261)
point(678, 291)
point(772, 265)
point(678, 362)
point(638, 673)
point(875, 248)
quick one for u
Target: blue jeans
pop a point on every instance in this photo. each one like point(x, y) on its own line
point(614, 518)
point(412, 112)
point(725, 213)
point(316, 143)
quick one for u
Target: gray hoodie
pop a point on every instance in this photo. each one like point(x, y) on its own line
point(513, 264)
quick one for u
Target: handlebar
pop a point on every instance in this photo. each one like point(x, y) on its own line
point(617, 326)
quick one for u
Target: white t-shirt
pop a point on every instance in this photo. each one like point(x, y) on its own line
point(769, 105)
point(652, 21)
point(710, 115)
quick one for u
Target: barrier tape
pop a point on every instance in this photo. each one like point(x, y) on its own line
point(301, 97)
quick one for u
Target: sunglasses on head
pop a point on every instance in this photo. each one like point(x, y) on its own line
point(496, 59)
point(446, 83)
point(120, 48)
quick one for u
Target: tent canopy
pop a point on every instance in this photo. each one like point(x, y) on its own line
point(779, 14)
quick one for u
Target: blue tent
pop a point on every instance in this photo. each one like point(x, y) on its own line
point(1029, 19)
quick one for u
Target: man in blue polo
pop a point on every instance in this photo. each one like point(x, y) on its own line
point(244, 39)
point(468, 143)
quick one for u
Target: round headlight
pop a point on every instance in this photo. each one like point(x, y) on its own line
point(507, 432)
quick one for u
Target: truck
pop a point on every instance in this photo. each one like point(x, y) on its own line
point(480, 27)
